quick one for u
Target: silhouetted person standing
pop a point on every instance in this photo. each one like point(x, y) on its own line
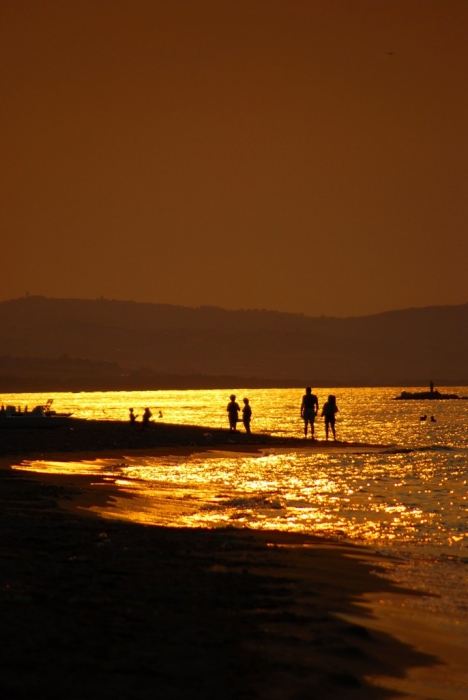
point(233, 409)
point(132, 417)
point(309, 409)
point(146, 418)
point(246, 415)
point(329, 411)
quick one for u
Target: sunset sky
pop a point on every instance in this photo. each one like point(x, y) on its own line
point(298, 155)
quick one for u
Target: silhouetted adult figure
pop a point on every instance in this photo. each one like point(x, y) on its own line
point(146, 418)
point(309, 409)
point(233, 409)
point(132, 416)
point(329, 411)
point(246, 415)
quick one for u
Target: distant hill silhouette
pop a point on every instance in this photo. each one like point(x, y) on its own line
point(404, 347)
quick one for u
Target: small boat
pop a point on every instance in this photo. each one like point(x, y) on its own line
point(11, 417)
point(49, 412)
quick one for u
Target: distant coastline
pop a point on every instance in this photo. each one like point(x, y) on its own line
point(137, 382)
point(103, 345)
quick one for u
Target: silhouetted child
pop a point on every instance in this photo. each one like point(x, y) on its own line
point(433, 420)
point(233, 409)
point(132, 417)
point(246, 415)
point(329, 410)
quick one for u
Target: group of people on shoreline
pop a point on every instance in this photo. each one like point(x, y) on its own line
point(309, 412)
point(145, 419)
point(233, 409)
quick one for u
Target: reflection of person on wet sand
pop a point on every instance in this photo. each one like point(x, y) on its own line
point(233, 409)
point(309, 409)
point(328, 412)
point(246, 415)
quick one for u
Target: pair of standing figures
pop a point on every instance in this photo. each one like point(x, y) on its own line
point(233, 409)
point(309, 411)
point(145, 419)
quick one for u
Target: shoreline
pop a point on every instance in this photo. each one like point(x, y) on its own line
point(250, 614)
point(88, 436)
point(183, 612)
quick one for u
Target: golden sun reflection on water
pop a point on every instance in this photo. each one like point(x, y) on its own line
point(410, 501)
point(367, 497)
point(415, 495)
point(368, 415)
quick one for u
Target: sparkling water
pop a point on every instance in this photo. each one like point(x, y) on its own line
point(408, 499)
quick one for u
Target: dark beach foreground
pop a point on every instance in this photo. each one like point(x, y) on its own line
point(106, 609)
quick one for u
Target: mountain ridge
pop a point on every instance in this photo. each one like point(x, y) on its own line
point(390, 347)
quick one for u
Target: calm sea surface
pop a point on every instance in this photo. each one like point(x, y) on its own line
point(410, 500)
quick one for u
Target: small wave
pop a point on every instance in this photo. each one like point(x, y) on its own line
point(436, 448)
point(272, 502)
point(424, 448)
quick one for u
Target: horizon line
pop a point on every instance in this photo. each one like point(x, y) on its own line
point(101, 298)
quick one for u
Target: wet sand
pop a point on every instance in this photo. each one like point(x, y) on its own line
point(106, 609)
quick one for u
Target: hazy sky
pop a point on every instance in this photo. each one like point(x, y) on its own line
point(298, 155)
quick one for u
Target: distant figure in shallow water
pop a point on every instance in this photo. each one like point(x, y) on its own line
point(423, 417)
point(309, 409)
point(433, 420)
point(246, 415)
point(146, 418)
point(132, 417)
point(233, 409)
point(329, 411)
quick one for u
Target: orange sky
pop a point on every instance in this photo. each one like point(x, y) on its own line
point(299, 155)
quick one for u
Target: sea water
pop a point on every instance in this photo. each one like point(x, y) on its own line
point(409, 500)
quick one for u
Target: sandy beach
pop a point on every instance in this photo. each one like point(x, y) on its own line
point(116, 436)
point(106, 609)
